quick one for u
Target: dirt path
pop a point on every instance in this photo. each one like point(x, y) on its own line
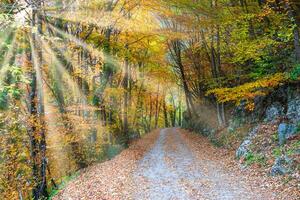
point(170, 164)
point(171, 171)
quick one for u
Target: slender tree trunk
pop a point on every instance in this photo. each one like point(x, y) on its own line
point(157, 114)
point(37, 132)
point(139, 104)
point(174, 112)
point(296, 23)
point(190, 103)
point(150, 114)
point(175, 47)
point(216, 65)
point(165, 113)
point(126, 100)
point(157, 102)
point(223, 113)
point(180, 114)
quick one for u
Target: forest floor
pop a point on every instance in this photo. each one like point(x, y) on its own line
point(172, 164)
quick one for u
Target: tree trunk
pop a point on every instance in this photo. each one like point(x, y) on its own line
point(150, 114)
point(126, 100)
point(175, 49)
point(37, 131)
point(180, 114)
point(165, 113)
point(295, 21)
point(157, 107)
point(216, 66)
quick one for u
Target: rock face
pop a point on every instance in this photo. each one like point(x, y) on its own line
point(242, 115)
point(293, 112)
point(281, 133)
point(274, 111)
point(243, 149)
point(287, 113)
point(286, 131)
point(278, 168)
point(282, 165)
point(254, 132)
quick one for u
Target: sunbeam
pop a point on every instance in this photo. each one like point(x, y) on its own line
point(94, 51)
point(52, 61)
point(5, 65)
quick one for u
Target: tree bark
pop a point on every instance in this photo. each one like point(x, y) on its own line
point(126, 99)
point(175, 49)
point(296, 23)
point(165, 113)
point(37, 132)
point(157, 108)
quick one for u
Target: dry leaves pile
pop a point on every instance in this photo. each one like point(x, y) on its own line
point(111, 179)
point(255, 177)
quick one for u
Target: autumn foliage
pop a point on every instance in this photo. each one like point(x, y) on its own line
point(80, 80)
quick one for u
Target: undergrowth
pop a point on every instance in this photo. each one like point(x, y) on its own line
point(64, 180)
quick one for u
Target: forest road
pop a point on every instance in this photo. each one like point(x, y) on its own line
point(171, 171)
